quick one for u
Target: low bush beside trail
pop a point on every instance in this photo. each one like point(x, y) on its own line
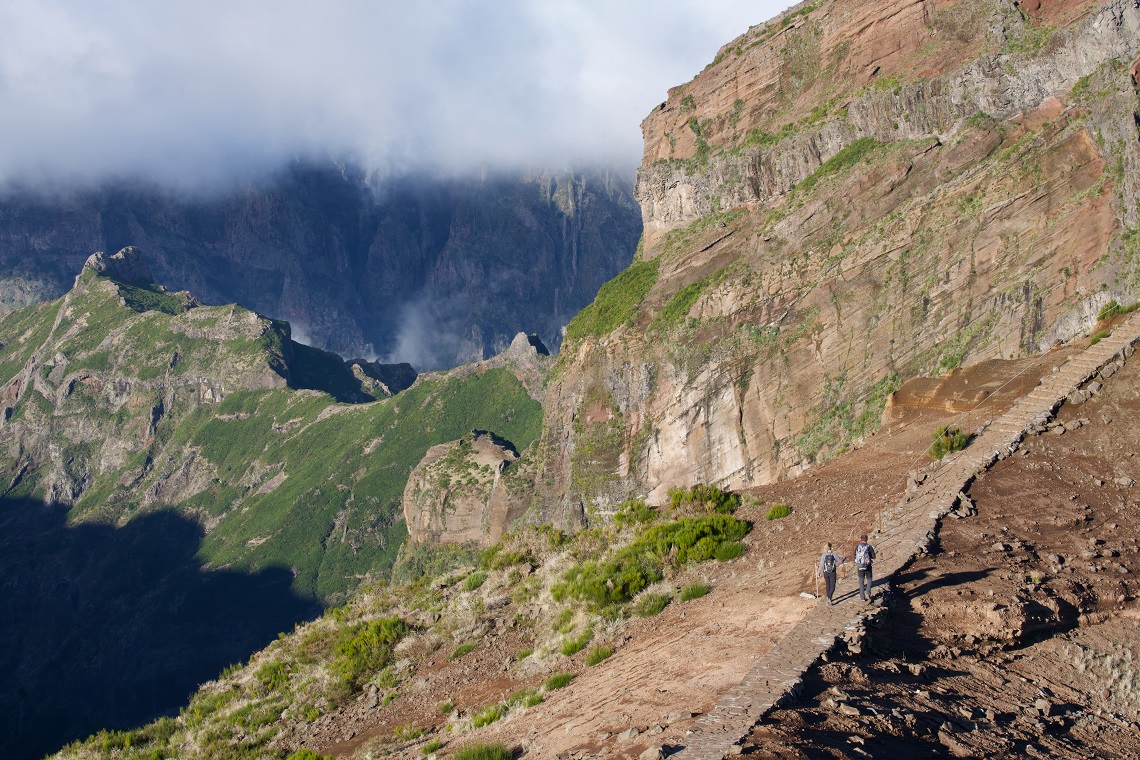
point(947, 440)
point(777, 512)
point(615, 581)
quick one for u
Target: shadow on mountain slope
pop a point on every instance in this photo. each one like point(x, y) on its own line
point(104, 627)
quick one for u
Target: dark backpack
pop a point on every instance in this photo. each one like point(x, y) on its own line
point(829, 562)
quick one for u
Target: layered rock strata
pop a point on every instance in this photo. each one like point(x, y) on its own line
point(850, 195)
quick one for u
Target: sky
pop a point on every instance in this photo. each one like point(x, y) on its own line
point(192, 93)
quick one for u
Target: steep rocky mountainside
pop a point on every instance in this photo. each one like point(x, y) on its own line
point(436, 271)
point(1011, 634)
point(121, 398)
point(851, 194)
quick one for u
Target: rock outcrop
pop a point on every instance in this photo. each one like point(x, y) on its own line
point(128, 265)
point(458, 493)
point(850, 195)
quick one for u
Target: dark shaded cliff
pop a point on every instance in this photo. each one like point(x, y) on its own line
point(432, 271)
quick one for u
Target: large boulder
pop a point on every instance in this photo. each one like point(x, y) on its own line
point(459, 493)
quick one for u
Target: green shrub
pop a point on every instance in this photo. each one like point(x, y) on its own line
point(616, 302)
point(482, 752)
point(564, 621)
point(308, 754)
point(524, 653)
point(572, 646)
point(948, 440)
point(557, 681)
point(496, 558)
point(598, 654)
point(273, 676)
point(408, 732)
point(693, 591)
point(681, 302)
point(366, 648)
point(525, 698)
point(630, 570)
point(778, 511)
point(727, 550)
point(487, 716)
point(229, 670)
point(446, 707)
point(1109, 310)
point(634, 512)
point(841, 161)
point(435, 745)
point(474, 581)
point(703, 499)
point(651, 604)
point(1098, 336)
point(462, 649)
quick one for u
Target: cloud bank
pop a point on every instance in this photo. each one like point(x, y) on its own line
point(190, 94)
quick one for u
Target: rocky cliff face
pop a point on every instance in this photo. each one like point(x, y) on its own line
point(458, 493)
point(850, 195)
point(432, 271)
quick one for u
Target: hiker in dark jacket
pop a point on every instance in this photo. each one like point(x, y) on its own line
point(864, 559)
point(828, 564)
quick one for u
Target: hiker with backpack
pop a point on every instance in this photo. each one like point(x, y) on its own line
point(864, 559)
point(828, 563)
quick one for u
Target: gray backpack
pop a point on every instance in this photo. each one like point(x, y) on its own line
point(863, 556)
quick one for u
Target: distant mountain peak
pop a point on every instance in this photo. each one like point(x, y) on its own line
point(129, 265)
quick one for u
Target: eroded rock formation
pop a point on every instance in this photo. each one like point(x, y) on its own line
point(457, 493)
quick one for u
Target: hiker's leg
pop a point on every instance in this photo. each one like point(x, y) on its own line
point(829, 579)
point(862, 588)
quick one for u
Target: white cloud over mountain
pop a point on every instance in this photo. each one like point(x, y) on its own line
point(193, 93)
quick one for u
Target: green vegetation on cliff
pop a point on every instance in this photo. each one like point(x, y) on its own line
point(840, 162)
point(616, 580)
point(616, 302)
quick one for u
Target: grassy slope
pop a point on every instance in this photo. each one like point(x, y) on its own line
point(374, 641)
point(330, 471)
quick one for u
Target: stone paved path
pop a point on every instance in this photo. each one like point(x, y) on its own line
point(906, 531)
